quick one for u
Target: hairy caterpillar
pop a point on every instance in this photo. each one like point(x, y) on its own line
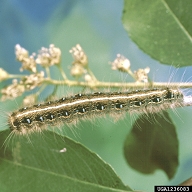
point(80, 106)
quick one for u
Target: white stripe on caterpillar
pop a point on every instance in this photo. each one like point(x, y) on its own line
point(71, 109)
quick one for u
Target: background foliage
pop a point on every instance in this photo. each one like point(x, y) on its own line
point(96, 25)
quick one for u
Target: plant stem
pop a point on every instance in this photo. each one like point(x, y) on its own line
point(100, 84)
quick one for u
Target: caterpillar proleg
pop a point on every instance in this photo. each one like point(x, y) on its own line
point(81, 106)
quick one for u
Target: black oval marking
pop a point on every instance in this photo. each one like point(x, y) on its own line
point(22, 109)
point(26, 120)
point(66, 113)
point(156, 99)
point(39, 118)
point(50, 116)
point(79, 95)
point(82, 110)
point(61, 100)
point(119, 105)
point(38, 105)
point(169, 95)
point(97, 93)
point(138, 103)
point(63, 113)
point(100, 107)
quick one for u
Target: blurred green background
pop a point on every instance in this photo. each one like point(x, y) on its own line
point(96, 26)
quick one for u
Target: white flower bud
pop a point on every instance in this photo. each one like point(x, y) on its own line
point(121, 63)
point(79, 56)
point(77, 70)
point(20, 53)
point(3, 74)
point(141, 75)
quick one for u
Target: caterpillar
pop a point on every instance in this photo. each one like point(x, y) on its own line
point(81, 106)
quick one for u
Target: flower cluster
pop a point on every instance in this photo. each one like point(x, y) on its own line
point(46, 57)
point(49, 56)
point(52, 56)
point(32, 81)
point(80, 58)
point(80, 62)
point(121, 63)
point(28, 62)
point(28, 82)
point(12, 91)
point(141, 75)
point(18, 88)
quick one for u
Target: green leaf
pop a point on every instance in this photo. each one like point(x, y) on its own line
point(38, 163)
point(161, 28)
point(152, 144)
